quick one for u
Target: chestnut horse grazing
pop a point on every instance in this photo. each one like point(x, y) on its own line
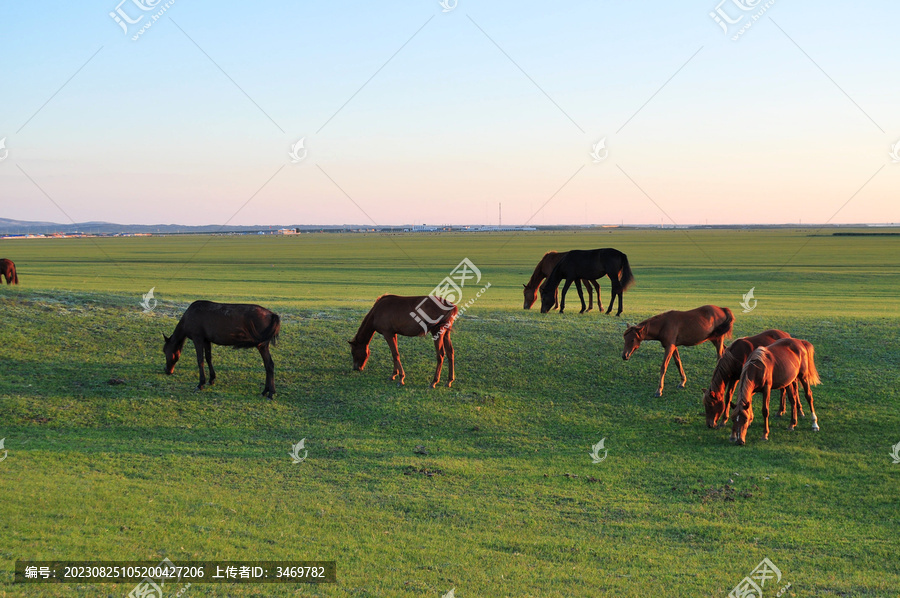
point(591, 264)
point(680, 328)
point(779, 365)
point(717, 398)
point(543, 270)
point(236, 325)
point(407, 316)
point(8, 269)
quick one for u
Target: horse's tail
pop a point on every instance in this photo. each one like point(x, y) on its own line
point(15, 276)
point(270, 334)
point(725, 328)
point(626, 278)
point(812, 374)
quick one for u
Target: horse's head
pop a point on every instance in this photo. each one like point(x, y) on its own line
point(714, 403)
point(633, 337)
point(360, 353)
point(530, 295)
point(172, 351)
point(742, 418)
point(548, 298)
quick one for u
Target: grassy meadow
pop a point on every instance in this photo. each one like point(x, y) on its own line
point(487, 487)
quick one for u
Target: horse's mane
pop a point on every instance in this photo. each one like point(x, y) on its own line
point(756, 359)
point(727, 363)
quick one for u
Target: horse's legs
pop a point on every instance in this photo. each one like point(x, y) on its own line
point(269, 389)
point(597, 288)
point(794, 393)
point(439, 354)
point(616, 292)
point(670, 350)
point(580, 294)
point(719, 343)
point(207, 348)
point(198, 345)
point(680, 368)
point(556, 298)
point(809, 399)
point(728, 393)
point(562, 299)
point(767, 393)
point(797, 404)
point(783, 402)
point(448, 349)
point(590, 292)
point(395, 354)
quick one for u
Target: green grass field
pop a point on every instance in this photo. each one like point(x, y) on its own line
point(514, 506)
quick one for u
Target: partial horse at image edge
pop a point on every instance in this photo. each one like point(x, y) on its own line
point(8, 270)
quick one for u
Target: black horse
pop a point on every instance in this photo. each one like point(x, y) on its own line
point(591, 264)
point(232, 324)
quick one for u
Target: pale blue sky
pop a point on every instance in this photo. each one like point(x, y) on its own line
point(152, 131)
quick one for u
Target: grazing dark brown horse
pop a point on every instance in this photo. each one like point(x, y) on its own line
point(779, 365)
point(591, 264)
point(8, 269)
point(717, 398)
point(681, 328)
point(407, 316)
point(237, 325)
point(543, 270)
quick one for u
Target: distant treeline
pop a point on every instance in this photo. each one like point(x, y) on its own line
point(861, 234)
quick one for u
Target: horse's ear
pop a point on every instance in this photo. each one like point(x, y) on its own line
point(166, 338)
point(524, 285)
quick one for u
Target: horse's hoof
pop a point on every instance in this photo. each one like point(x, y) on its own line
point(766, 437)
point(449, 384)
point(791, 428)
point(199, 387)
point(681, 385)
point(658, 394)
point(815, 428)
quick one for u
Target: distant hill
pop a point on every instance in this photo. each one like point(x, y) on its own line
point(17, 227)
